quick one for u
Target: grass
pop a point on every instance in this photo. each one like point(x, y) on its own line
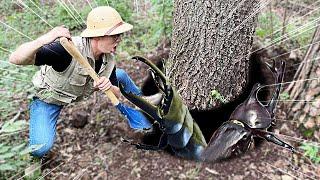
point(298, 36)
point(311, 152)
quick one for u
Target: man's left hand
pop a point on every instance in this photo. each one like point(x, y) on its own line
point(103, 84)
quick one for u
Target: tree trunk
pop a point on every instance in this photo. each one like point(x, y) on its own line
point(209, 50)
point(305, 92)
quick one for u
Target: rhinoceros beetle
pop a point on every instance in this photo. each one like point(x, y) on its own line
point(181, 133)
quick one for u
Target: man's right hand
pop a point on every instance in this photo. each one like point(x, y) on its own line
point(59, 31)
point(25, 53)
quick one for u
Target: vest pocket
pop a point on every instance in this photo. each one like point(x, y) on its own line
point(79, 78)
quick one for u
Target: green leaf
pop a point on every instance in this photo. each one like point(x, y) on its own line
point(7, 155)
point(9, 127)
point(18, 147)
point(7, 167)
point(311, 151)
point(284, 96)
point(21, 163)
point(216, 95)
point(4, 149)
point(308, 133)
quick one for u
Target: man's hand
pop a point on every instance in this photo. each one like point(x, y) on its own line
point(25, 53)
point(104, 84)
point(60, 31)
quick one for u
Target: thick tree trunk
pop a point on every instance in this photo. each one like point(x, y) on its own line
point(305, 92)
point(209, 50)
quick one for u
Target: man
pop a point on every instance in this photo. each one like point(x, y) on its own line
point(61, 80)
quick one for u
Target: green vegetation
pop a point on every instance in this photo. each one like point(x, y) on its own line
point(14, 153)
point(217, 96)
point(312, 152)
point(307, 131)
point(299, 30)
point(284, 96)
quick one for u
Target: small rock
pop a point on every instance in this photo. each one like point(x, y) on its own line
point(182, 176)
point(279, 163)
point(286, 177)
point(306, 108)
point(252, 166)
point(318, 71)
point(273, 177)
point(79, 119)
point(238, 177)
point(212, 171)
point(309, 124)
point(284, 128)
point(309, 98)
point(316, 103)
point(293, 55)
point(316, 134)
point(69, 149)
point(69, 131)
point(318, 120)
point(86, 176)
point(102, 175)
point(314, 112)
point(318, 171)
point(302, 117)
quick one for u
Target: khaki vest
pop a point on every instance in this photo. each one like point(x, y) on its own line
point(74, 83)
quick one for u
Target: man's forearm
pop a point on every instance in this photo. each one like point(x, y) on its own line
point(25, 53)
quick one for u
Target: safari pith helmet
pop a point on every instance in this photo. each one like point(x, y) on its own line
point(105, 20)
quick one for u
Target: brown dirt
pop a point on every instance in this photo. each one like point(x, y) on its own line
point(96, 151)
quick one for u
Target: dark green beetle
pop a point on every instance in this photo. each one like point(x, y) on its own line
point(183, 135)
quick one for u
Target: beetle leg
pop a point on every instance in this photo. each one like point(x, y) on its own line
point(168, 91)
point(272, 138)
point(278, 74)
point(155, 79)
point(162, 144)
point(144, 105)
point(154, 68)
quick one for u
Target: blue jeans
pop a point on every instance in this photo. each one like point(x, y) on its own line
point(44, 116)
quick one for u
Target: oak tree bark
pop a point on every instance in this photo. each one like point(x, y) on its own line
point(210, 49)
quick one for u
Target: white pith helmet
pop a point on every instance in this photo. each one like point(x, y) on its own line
point(105, 20)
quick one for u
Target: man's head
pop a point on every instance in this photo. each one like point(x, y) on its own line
point(105, 26)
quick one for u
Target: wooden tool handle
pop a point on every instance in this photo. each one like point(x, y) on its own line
point(73, 51)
